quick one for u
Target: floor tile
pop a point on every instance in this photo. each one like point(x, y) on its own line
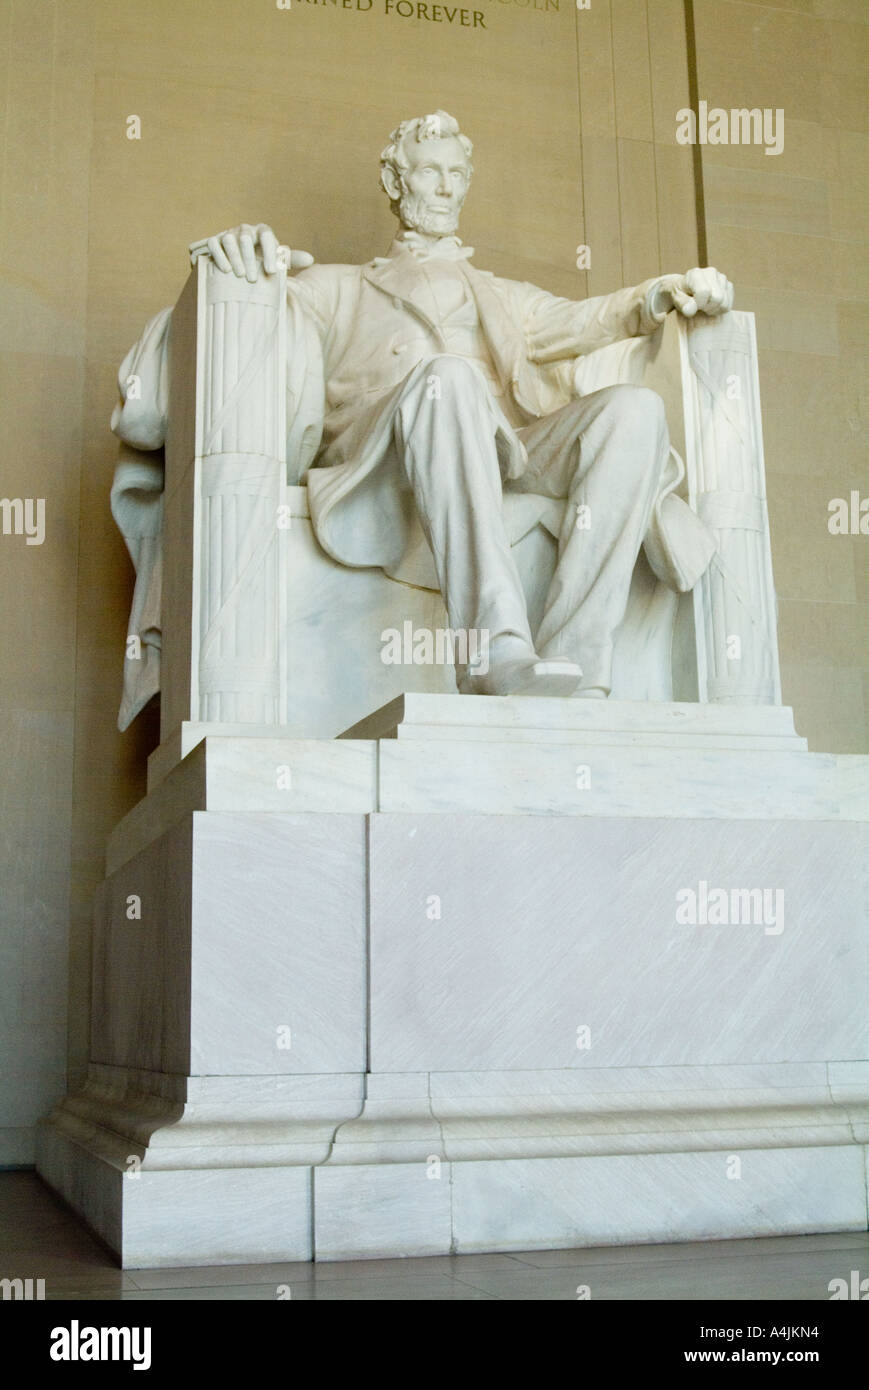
point(766, 1279)
point(407, 1268)
point(706, 1250)
point(229, 1292)
point(364, 1288)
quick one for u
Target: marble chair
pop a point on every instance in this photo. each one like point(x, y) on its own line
point(257, 627)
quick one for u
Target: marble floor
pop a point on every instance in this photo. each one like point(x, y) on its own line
point(42, 1239)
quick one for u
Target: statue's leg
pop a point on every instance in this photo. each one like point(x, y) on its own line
point(445, 435)
point(605, 453)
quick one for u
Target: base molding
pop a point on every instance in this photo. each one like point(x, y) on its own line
point(248, 1170)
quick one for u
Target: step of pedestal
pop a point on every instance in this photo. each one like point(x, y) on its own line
point(529, 720)
point(578, 772)
point(619, 722)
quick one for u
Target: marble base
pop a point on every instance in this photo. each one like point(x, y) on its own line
point(395, 1004)
point(426, 753)
point(568, 1203)
point(347, 1167)
point(220, 1215)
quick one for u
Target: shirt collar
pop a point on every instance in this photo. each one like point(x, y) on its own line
point(445, 248)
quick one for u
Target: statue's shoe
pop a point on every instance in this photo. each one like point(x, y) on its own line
point(533, 675)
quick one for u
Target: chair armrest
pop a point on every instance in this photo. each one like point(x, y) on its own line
point(706, 371)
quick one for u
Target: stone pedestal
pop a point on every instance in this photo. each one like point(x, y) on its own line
point(480, 975)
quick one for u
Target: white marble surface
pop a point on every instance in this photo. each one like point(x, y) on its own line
point(221, 1215)
point(366, 1210)
point(249, 924)
point(471, 1088)
point(245, 1215)
point(459, 1161)
point(635, 758)
point(508, 1115)
point(268, 774)
point(171, 1122)
point(579, 778)
point(658, 1197)
point(852, 785)
point(459, 956)
point(349, 1118)
point(564, 1203)
point(279, 941)
point(624, 723)
point(188, 736)
point(545, 925)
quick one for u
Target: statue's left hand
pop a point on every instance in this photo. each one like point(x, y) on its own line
point(702, 291)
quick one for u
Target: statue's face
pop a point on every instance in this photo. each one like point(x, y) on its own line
point(434, 186)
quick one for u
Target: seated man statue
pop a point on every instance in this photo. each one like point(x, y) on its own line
point(445, 385)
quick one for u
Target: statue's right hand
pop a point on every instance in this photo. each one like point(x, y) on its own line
point(235, 250)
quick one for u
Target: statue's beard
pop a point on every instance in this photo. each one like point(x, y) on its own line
point(418, 216)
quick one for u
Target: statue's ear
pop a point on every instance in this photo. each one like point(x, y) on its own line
point(391, 182)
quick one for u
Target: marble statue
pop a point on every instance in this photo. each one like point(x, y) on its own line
point(363, 932)
point(427, 389)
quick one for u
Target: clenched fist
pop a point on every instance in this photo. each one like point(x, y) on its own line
point(700, 291)
point(236, 250)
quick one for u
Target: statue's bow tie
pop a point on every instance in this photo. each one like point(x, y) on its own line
point(446, 248)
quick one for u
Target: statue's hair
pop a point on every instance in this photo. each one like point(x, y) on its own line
point(438, 126)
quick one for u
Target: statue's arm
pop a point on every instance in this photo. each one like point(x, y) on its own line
point(308, 329)
point(141, 415)
point(320, 293)
point(557, 328)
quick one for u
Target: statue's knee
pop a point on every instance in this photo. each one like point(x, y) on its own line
point(636, 421)
point(634, 402)
point(637, 407)
point(447, 374)
point(651, 405)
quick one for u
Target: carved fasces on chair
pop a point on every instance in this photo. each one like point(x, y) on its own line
point(226, 501)
point(735, 599)
point(706, 372)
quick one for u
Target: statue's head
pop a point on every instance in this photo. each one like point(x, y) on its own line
point(426, 169)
